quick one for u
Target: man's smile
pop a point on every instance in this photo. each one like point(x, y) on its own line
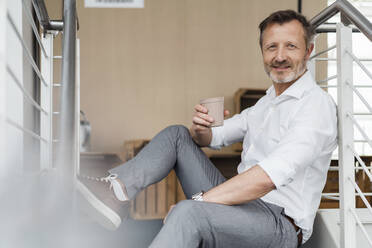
point(281, 68)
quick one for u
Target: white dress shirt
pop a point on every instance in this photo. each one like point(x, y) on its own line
point(291, 137)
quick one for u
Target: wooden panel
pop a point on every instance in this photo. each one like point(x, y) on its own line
point(180, 195)
point(245, 97)
point(171, 189)
point(139, 204)
point(162, 208)
point(151, 200)
point(330, 187)
point(155, 201)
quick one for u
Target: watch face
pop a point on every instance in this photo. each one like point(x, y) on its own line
point(198, 196)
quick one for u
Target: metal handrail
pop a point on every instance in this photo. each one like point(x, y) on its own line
point(347, 10)
point(331, 28)
point(43, 17)
point(31, 21)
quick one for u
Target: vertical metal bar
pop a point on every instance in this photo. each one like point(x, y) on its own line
point(345, 135)
point(77, 109)
point(299, 6)
point(46, 121)
point(311, 64)
point(66, 150)
point(3, 10)
point(66, 153)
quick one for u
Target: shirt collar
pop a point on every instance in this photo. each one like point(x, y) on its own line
point(296, 90)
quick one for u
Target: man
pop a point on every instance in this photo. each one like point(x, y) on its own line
point(288, 138)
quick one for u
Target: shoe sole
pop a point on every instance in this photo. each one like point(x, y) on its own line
point(97, 209)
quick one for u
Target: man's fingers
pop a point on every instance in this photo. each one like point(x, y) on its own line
point(226, 112)
point(201, 108)
point(199, 121)
point(205, 117)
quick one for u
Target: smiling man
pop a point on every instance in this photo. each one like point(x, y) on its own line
point(288, 138)
point(286, 47)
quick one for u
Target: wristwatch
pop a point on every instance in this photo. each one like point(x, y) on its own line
point(198, 196)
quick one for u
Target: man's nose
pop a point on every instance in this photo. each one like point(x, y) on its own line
point(281, 55)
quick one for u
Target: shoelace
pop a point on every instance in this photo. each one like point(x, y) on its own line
point(110, 178)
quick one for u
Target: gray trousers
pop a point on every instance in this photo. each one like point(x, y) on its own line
point(196, 224)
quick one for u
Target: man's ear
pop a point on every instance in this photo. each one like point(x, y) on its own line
point(309, 50)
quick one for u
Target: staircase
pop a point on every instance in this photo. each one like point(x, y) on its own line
point(348, 226)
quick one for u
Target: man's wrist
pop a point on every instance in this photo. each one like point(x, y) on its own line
point(201, 138)
point(198, 196)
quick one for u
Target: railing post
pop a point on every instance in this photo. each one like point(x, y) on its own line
point(345, 136)
point(3, 10)
point(46, 92)
point(311, 64)
point(66, 151)
point(77, 108)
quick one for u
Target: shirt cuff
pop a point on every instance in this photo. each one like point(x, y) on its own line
point(217, 140)
point(278, 170)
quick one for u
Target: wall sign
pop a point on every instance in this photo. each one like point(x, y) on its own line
point(114, 4)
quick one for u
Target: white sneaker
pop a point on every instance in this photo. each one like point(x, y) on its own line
point(107, 199)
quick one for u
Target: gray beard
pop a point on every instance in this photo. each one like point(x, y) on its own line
point(291, 77)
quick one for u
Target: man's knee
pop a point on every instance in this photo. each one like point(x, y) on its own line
point(185, 206)
point(178, 130)
point(188, 209)
point(191, 215)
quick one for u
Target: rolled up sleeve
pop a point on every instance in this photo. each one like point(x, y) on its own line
point(233, 130)
point(313, 129)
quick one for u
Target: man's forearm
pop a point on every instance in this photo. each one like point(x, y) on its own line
point(202, 138)
point(247, 186)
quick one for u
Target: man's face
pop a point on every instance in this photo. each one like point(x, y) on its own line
point(284, 51)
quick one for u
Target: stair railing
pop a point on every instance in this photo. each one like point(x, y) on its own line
point(58, 150)
point(351, 20)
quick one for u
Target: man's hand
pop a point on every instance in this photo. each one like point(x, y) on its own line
point(201, 125)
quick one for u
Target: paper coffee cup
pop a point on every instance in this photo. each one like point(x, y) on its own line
point(215, 108)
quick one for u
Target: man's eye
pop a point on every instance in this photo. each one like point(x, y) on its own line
point(291, 46)
point(272, 47)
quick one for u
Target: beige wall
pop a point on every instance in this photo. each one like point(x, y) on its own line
point(144, 69)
